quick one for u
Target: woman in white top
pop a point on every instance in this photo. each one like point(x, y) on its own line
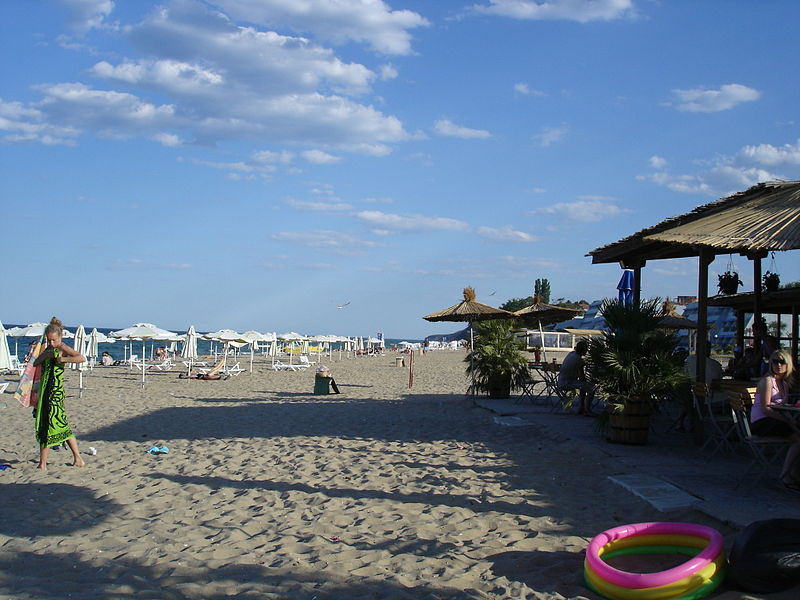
point(774, 389)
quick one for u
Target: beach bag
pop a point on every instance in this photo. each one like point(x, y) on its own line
point(765, 556)
point(27, 393)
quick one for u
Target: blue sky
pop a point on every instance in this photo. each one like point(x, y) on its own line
point(253, 164)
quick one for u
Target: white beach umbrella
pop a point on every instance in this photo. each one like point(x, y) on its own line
point(143, 332)
point(5, 354)
point(92, 349)
point(254, 337)
point(226, 336)
point(189, 349)
point(78, 344)
point(32, 330)
point(15, 333)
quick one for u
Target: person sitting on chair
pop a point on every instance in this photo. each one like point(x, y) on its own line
point(571, 376)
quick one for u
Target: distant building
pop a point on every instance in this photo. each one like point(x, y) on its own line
point(684, 300)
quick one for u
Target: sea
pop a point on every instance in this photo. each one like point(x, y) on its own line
point(120, 350)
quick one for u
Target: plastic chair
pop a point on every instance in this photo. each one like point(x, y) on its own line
point(765, 451)
point(719, 427)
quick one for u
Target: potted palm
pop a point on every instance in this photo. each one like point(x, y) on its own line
point(496, 363)
point(729, 282)
point(634, 365)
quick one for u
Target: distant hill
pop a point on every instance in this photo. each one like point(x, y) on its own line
point(449, 337)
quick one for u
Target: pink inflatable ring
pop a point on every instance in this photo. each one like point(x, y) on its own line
point(648, 580)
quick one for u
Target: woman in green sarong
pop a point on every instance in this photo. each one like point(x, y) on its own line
point(52, 427)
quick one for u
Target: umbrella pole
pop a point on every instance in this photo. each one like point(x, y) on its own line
point(541, 340)
point(144, 362)
point(471, 357)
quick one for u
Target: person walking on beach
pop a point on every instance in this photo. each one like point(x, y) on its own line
point(52, 427)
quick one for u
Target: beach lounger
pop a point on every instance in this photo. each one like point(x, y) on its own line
point(234, 370)
point(3, 386)
point(279, 366)
point(166, 365)
point(304, 362)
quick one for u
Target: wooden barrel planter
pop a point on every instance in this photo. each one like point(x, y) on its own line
point(630, 426)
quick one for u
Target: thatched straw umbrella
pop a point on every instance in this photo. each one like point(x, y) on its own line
point(469, 310)
point(545, 314)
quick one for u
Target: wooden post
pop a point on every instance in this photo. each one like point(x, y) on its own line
point(705, 257)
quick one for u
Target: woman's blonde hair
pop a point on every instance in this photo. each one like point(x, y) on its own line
point(55, 326)
point(787, 357)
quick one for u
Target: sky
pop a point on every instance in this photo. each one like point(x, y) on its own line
point(348, 166)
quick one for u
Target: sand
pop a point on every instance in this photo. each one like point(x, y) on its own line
point(271, 492)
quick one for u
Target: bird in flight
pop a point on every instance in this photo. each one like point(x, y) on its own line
point(342, 305)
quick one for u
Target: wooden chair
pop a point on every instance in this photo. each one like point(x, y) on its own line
point(718, 426)
point(765, 451)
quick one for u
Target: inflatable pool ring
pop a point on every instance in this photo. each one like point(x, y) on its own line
point(697, 577)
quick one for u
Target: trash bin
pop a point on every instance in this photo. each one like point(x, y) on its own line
point(322, 385)
point(399, 361)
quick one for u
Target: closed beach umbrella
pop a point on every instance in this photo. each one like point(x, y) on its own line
point(189, 349)
point(625, 287)
point(92, 348)
point(5, 354)
point(78, 344)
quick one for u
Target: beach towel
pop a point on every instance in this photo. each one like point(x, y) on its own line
point(52, 428)
point(26, 393)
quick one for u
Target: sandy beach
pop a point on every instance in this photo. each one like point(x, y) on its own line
point(271, 492)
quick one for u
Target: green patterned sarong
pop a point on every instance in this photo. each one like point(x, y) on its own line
point(52, 428)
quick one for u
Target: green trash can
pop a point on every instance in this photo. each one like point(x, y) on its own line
point(322, 385)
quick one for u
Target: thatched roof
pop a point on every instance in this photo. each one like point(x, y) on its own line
point(469, 310)
point(780, 301)
point(545, 314)
point(763, 218)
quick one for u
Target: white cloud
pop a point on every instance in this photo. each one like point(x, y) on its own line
point(582, 11)
point(337, 21)
point(83, 15)
point(114, 114)
point(505, 234)
point(267, 156)
point(318, 157)
point(588, 210)
point(769, 155)
point(225, 81)
point(709, 100)
point(551, 135)
point(658, 162)
point(318, 206)
point(388, 72)
point(19, 124)
point(724, 175)
point(168, 139)
point(336, 242)
point(395, 222)
point(448, 128)
point(526, 90)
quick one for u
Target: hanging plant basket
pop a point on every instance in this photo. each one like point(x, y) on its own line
point(770, 281)
point(729, 283)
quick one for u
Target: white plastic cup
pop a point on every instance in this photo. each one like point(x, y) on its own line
point(92, 450)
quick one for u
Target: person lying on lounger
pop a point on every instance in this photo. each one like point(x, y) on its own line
point(212, 375)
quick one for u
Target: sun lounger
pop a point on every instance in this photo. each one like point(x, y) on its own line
point(234, 370)
point(279, 366)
